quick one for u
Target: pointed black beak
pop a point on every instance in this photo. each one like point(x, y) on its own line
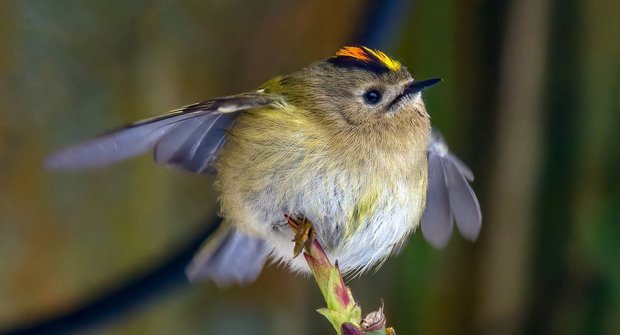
point(411, 89)
point(419, 85)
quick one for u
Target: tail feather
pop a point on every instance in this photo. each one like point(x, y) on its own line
point(230, 257)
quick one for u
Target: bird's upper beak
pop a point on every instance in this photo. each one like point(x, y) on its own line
point(419, 85)
point(412, 89)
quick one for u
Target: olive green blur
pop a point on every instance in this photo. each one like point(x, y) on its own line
point(530, 99)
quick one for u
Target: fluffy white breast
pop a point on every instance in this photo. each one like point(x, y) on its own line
point(362, 205)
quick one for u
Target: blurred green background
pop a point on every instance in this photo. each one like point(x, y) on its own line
point(530, 100)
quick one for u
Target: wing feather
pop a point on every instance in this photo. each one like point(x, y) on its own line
point(173, 140)
point(437, 219)
point(209, 146)
point(188, 147)
point(463, 201)
point(449, 196)
point(189, 138)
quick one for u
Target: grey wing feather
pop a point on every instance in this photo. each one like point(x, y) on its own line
point(189, 138)
point(211, 143)
point(449, 195)
point(170, 143)
point(463, 169)
point(194, 147)
point(229, 258)
point(437, 218)
point(113, 147)
point(463, 201)
point(439, 146)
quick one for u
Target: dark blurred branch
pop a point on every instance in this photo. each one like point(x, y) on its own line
point(383, 19)
point(152, 284)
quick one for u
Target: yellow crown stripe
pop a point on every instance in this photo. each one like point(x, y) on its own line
point(387, 61)
point(369, 55)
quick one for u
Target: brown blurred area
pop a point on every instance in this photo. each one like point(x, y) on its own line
point(530, 100)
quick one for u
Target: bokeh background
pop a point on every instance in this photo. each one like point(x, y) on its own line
point(530, 100)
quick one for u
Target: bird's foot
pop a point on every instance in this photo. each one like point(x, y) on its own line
point(304, 233)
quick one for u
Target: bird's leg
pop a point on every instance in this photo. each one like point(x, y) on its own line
point(304, 233)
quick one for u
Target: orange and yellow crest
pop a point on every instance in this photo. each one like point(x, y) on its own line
point(369, 56)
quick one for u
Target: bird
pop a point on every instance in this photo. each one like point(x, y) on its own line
point(341, 151)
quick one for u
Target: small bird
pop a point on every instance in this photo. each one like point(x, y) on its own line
point(341, 151)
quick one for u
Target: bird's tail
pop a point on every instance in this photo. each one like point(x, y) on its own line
point(228, 257)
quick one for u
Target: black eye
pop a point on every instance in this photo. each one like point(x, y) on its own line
point(372, 97)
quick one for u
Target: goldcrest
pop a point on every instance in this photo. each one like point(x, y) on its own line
point(341, 151)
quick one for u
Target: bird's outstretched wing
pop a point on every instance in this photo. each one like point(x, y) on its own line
point(449, 196)
point(190, 137)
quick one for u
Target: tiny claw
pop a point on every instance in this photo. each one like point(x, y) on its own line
point(303, 234)
point(298, 247)
point(292, 221)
